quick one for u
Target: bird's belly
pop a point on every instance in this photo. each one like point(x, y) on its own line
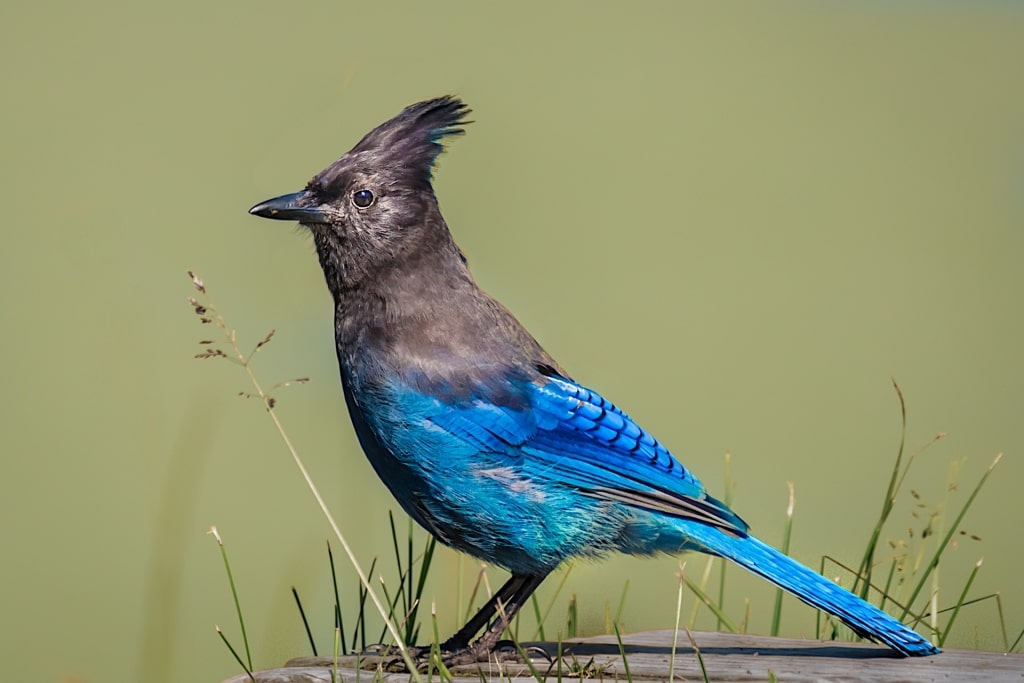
point(501, 515)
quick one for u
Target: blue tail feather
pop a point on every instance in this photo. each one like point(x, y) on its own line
point(864, 618)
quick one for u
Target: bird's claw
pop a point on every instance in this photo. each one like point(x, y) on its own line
point(391, 659)
point(379, 650)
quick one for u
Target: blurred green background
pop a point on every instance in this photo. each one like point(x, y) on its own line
point(737, 220)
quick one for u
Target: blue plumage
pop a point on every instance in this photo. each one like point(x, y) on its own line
point(479, 434)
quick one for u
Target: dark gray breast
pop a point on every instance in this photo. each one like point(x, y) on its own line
point(430, 326)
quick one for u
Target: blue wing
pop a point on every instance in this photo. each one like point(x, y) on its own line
point(573, 436)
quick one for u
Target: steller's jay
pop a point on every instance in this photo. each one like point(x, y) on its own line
point(479, 434)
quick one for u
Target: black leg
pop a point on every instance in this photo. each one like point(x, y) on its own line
point(507, 610)
point(505, 604)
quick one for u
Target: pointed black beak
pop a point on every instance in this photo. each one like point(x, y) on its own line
point(290, 207)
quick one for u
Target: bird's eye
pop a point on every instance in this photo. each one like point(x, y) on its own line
point(362, 198)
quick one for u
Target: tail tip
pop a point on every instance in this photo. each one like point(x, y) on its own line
point(918, 648)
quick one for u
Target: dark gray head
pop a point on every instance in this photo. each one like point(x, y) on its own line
point(404, 297)
point(376, 203)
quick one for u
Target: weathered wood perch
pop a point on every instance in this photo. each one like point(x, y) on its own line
point(727, 657)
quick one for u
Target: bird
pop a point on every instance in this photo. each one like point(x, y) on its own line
point(479, 434)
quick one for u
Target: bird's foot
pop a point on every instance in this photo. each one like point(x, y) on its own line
point(391, 659)
point(475, 653)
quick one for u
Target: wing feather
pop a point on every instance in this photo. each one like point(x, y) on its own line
point(574, 436)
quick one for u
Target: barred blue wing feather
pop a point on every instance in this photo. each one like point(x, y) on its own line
point(574, 437)
point(592, 441)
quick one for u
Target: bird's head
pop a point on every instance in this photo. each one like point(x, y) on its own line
point(376, 202)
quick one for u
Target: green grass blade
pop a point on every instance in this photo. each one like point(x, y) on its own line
point(558, 660)
point(888, 584)
point(248, 669)
point(394, 540)
point(868, 560)
point(704, 578)
point(392, 603)
point(408, 600)
point(959, 603)
point(537, 675)
point(949, 535)
point(537, 615)
point(622, 603)
point(402, 570)
point(675, 631)
point(435, 650)
point(710, 604)
point(337, 647)
point(622, 653)
point(305, 622)
point(339, 621)
point(786, 536)
point(1002, 621)
point(359, 633)
point(1016, 641)
point(421, 583)
point(480, 575)
point(554, 598)
point(234, 596)
point(730, 487)
point(572, 618)
point(700, 658)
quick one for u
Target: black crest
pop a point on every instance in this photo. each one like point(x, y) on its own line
point(416, 136)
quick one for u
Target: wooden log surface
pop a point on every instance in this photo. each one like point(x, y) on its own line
point(727, 657)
